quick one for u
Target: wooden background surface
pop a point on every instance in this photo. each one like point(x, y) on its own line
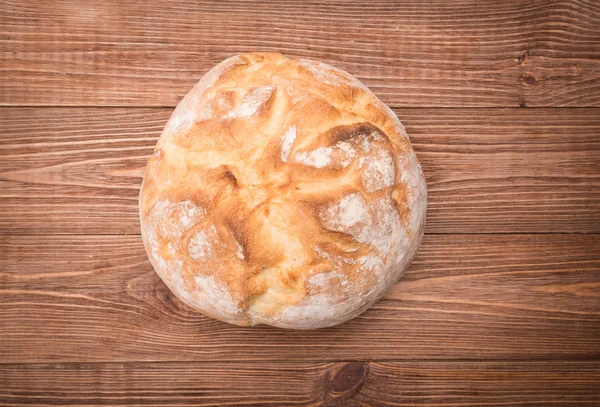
point(502, 305)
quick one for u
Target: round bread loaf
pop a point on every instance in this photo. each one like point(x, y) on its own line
point(282, 192)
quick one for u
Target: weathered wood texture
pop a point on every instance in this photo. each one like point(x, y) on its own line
point(500, 308)
point(78, 170)
point(500, 297)
point(413, 53)
point(376, 384)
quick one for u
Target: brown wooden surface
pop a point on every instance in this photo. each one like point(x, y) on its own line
point(485, 297)
point(488, 170)
point(427, 383)
point(411, 53)
point(502, 304)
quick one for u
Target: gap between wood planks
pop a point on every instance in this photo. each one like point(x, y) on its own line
point(426, 234)
point(399, 107)
point(503, 360)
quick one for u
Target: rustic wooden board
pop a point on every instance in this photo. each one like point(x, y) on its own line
point(78, 170)
point(431, 383)
point(501, 306)
point(493, 297)
point(434, 53)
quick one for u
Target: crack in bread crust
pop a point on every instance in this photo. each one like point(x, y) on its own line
point(281, 192)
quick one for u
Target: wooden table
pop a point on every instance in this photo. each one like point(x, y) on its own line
point(501, 306)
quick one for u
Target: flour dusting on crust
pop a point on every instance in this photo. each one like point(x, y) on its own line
point(379, 172)
point(338, 156)
point(349, 211)
point(193, 108)
point(376, 223)
point(200, 245)
point(172, 219)
point(239, 250)
point(331, 75)
point(253, 101)
point(347, 152)
point(322, 280)
point(317, 158)
point(215, 298)
point(206, 294)
point(287, 143)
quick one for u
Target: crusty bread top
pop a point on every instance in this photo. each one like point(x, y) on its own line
point(280, 189)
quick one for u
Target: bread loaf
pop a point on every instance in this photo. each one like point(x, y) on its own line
point(281, 192)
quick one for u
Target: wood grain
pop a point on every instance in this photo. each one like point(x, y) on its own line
point(435, 53)
point(78, 170)
point(431, 383)
point(501, 306)
point(493, 297)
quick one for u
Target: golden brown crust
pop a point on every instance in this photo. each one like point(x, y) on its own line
point(282, 192)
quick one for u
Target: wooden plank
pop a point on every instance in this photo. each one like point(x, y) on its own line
point(78, 170)
point(434, 53)
point(498, 297)
point(414, 383)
